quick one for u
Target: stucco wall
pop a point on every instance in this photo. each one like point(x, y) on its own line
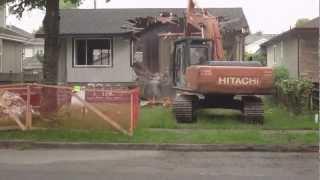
point(120, 72)
point(12, 57)
point(284, 53)
point(290, 56)
point(309, 61)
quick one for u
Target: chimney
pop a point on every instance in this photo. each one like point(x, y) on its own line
point(3, 16)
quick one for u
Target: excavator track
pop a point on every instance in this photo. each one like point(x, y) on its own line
point(184, 109)
point(252, 109)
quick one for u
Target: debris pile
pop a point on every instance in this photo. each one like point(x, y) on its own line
point(11, 104)
point(139, 24)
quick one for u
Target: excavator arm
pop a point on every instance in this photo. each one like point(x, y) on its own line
point(209, 27)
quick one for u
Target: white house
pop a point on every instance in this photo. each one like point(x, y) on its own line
point(253, 42)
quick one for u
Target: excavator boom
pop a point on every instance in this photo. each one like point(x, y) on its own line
point(209, 27)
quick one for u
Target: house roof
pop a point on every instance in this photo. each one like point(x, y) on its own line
point(110, 21)
point(19, 31)
point(14, 33)
point(309, 27)
point(256, 37)
point(9, 34)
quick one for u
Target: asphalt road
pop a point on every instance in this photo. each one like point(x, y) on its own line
point(154, 165)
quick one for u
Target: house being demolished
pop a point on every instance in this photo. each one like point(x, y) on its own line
point(126, 46)
point(155, 37)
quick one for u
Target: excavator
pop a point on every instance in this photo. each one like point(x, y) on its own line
point(204, 79)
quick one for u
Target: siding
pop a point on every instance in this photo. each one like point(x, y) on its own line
point(290, 56)
point(284, 53)
point(62, 66)
point(300, 56)
point(309, 62)
point(121, 72)
point(12, 57)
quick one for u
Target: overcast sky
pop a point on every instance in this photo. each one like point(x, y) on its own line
point(269, 16)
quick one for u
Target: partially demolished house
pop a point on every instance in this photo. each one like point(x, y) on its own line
point(117, 45)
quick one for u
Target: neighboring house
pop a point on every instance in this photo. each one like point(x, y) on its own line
point(253, 42)
point(297, 50)
point(11, 51)
point(33, 48)
point(12, 46)
point(98, 47)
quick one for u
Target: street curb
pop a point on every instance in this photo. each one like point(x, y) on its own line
point(157, 147)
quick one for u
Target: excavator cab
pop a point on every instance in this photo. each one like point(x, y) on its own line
point(188, 52)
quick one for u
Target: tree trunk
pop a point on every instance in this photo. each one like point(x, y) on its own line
point(51, 27)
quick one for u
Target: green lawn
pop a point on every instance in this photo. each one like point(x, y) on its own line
point(276, 117)
point(157, 125)
point(165, 136)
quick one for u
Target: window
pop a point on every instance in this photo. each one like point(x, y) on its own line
point(198, 55)
point(93, 52)
point(28, 52)
point(275, 54)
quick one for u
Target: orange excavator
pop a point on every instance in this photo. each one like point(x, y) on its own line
point(203, 79)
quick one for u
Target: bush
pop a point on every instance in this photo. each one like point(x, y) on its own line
point(280, 73)
point(293, 93)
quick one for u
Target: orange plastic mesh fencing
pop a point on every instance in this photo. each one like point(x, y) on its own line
point(102, 108)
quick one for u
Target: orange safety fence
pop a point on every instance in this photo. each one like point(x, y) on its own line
point(47, 106)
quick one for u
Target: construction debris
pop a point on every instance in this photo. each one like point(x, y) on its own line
point(139, 24)
point(12, 106)
point(165, 102)
point(11, 103)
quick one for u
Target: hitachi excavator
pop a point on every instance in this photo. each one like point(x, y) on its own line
point(203, 79)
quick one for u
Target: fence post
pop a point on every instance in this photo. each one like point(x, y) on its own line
point(28, 110)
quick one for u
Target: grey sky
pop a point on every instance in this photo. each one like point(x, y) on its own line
point(269, 16)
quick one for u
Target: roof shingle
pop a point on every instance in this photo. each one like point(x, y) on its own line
point(110, 21)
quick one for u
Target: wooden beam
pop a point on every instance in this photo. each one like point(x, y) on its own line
point(17, 120)
point(28, 109)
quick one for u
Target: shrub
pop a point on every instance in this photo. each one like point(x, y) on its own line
point(293, 93)
point(280, 73)
point(296, 93)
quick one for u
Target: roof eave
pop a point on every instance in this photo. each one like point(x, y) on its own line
point(63, 35)
point(285, 34)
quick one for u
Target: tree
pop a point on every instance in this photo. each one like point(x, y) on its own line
point(50, 26)
point(301, 22)
point(51, 48)
point(259, 56)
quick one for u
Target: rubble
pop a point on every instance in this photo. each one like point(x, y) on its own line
point(11, 104)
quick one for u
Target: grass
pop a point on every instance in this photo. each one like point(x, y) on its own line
point(276, 118)
point(157, 125)
point(165, 136)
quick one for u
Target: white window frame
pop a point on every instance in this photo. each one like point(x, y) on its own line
point(90, 66)
point(274, 48)
point(281, 50)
